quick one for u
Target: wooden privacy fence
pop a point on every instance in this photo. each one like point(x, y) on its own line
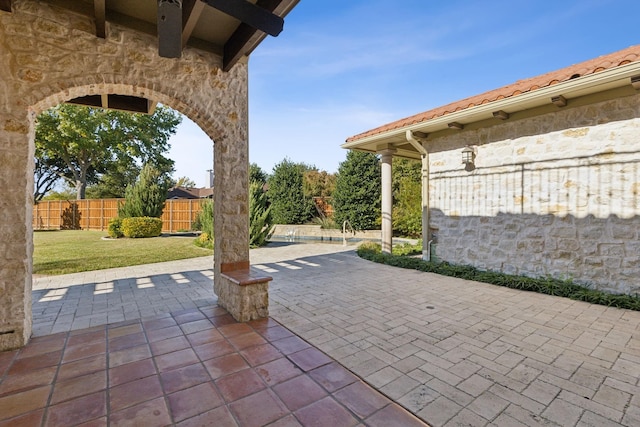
point(94, 214)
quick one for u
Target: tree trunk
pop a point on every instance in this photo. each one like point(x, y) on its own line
point(81, 187)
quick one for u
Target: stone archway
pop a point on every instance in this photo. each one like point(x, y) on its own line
point(49, 57)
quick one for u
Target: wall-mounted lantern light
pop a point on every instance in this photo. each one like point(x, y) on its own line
point(469, 158)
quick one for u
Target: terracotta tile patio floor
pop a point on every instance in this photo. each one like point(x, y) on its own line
point(451, 351)
point(194, 367)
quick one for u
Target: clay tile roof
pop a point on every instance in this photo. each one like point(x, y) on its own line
point(591, 66)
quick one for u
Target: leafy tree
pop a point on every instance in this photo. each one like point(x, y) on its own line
point(81, 144)
point(319, 183)
point(112, 184)
point(257, 174)
point(147, 196)
point(259, 215)
point(358, 191)
point(407, 197)
point(46, 174)
point(184, 182)
point(65, 193)
point(289, 204)
point(405, 168)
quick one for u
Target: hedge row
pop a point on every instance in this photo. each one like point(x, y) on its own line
point(549, 286)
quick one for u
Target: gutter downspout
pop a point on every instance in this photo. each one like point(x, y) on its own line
point(418, 143)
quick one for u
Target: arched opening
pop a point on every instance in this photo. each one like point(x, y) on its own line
point(63, 303)
point(57, 52)
point(222, 118)
point(56, 294)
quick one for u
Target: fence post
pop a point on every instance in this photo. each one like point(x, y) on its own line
point(170, 216)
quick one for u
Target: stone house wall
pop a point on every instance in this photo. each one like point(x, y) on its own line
point(552, 195)
point(50, 55)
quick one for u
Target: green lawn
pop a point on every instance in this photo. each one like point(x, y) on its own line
point(62, 252)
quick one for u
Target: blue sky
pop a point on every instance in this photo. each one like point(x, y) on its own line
point(343, 67)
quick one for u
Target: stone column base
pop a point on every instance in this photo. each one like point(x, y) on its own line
point(244, 294)
point(12, 339)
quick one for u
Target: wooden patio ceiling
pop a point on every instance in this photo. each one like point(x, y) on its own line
point(229, 28)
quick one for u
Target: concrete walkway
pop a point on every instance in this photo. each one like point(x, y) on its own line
point(454, 352)
point(81, 300)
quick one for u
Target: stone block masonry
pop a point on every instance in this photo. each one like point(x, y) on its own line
point(49, 56)
point(554, 195)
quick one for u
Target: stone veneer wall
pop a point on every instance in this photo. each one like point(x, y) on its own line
point(49, 55)
point(553, 195)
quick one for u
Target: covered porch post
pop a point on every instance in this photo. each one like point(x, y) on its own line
point(242, 292)
point(387, 198)
point(16, 245)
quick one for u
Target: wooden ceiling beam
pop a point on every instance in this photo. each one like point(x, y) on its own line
point(251, 14)
point(245, 39)
point(130, 104)
point(241, 43)
point(100, 14)
point(191, 11)
point(169, 29)
point(5, 5)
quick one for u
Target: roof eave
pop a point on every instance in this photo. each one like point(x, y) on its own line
point(586, 85)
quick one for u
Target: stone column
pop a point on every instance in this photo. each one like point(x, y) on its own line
point(387, 199)
point(230, 203)
point(242, 296)
point(16, 245)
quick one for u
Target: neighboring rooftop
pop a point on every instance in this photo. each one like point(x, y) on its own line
point(190, 193)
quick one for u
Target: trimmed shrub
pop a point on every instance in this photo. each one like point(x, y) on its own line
point(144, 226)
point(204, 240)
point(115, 228)
point(542, 285)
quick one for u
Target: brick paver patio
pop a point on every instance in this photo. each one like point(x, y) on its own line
point(453, 352)
point(457, 352)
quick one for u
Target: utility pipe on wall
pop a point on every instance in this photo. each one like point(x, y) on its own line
point(418, 144)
